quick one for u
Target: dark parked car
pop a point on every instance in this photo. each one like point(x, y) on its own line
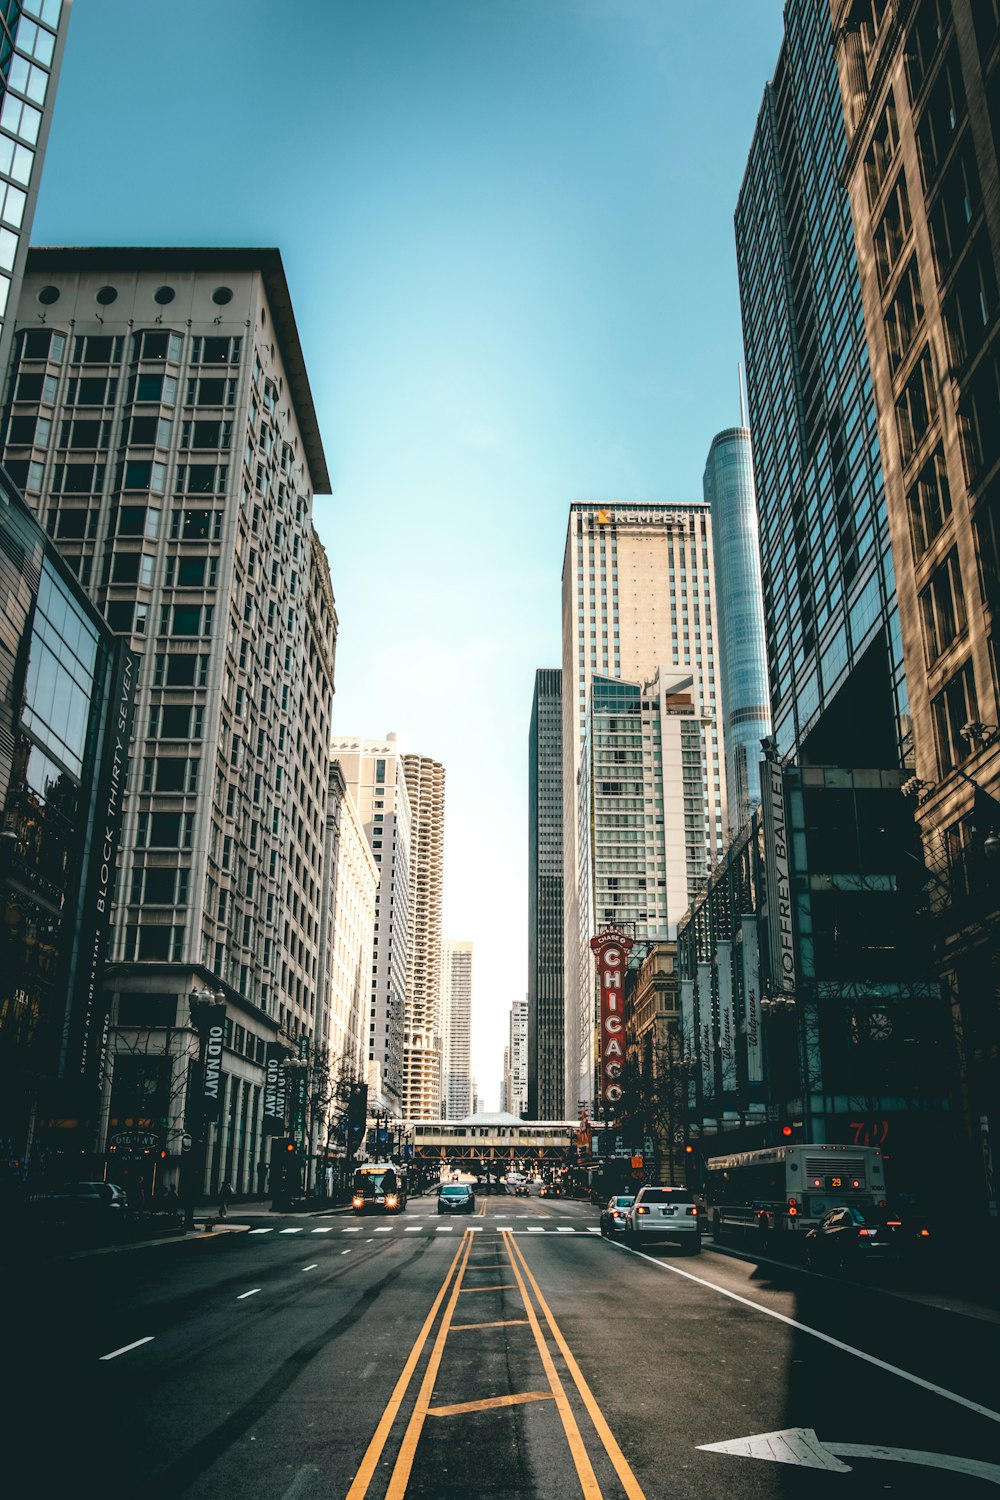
point(456, 1198)
point(847, 1238)
point(614, 1214)
point(90, 1207)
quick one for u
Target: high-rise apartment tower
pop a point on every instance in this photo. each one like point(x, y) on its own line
point(376, 781)
point(546, 1019)
point(457, 1089)
point(422, 1018)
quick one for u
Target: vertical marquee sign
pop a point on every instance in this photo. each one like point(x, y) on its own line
point(611, 949)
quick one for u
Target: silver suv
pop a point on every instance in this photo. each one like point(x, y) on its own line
point(664, 1213)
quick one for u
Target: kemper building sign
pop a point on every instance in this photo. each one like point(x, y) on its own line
point(611, 949)
point(777, 880)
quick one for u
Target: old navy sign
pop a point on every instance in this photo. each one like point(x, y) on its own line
point(213, 1030)
point(611, 949)
point(275, 1089)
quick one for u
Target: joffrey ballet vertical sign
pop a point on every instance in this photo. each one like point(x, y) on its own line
point(611, 949)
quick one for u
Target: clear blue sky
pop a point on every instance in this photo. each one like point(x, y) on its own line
point(507, 229)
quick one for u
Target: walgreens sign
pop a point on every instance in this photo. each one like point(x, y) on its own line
point(611, 949)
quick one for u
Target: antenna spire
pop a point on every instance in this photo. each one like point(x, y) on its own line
point(739, 377)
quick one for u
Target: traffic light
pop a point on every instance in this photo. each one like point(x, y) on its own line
point(289, 1145)
point(689, 1150)
point(787, 1132)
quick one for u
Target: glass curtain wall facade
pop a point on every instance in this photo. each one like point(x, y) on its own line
point(742, 647)
point(32, 40)
point(546, 1021)
point(835, 663)
point(921, 100)
point(65, 720)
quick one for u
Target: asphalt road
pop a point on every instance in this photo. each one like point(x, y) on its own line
point(511, 1355)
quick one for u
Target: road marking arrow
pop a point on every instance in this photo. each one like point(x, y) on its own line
point(800, 1445)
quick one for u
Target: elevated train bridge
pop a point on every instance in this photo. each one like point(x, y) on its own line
point(500, 1142)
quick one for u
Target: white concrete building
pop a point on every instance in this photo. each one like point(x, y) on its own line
point(516, 1054)
point(348, 936)
point(375, 777)
point(457, 1087)
point(425, 780)
point(638, 598)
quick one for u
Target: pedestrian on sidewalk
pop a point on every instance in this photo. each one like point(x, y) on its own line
point(225, 1197)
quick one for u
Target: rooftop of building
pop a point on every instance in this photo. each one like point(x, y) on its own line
point(265, 260)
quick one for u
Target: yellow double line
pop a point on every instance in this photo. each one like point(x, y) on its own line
point(422, 1408)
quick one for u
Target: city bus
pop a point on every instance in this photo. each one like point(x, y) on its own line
point(781, 1192)
point(372, 1190)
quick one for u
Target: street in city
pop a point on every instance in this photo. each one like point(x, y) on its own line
point(514, 1352)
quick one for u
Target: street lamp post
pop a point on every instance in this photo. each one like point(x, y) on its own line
point(203, 1003)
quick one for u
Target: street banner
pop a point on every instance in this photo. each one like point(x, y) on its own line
point(212, 1030)
point(751, 999)
point(301, 1091)
point(275, 1089)
point(727, 1021)
point(706, 1031)
point(777, 880)
point(611, 949)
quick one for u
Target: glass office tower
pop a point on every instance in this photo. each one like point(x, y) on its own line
point(838, 693)
point(546, 1022)
point(746, 708)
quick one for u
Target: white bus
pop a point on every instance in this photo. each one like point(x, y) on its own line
point(783, 1191)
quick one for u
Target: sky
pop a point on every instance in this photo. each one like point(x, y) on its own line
point(507, 228)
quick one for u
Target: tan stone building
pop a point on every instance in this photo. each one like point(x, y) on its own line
point(422, 1020)
point(920, 84)
point(638, 599)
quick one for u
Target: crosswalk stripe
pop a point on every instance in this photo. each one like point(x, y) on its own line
point(292, 1231)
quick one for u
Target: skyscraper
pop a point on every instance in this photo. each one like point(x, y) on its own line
point(457, 1088)
point(422, 1019)
point(546, 1019)
point(742, 649)
point(347, 923)
point(516, 1053)
point(638, 594)
point(32, 40)
point(644, 854)
point(376, 781)
point(838, 691)
point(921, 103)
point(162, 421)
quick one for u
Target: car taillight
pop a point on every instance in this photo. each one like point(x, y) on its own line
point(893, 1223)
point(358, 1203)
point(925, 1234)
point(693, 1211)
point(869, 1233)
point(642, 1210)
point(616, 1213)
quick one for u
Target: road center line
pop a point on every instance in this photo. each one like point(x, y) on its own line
point(126, 1347)
point(312, 1267)
point(630, 1484)
point(411, 1437)
point(581, 1459)
point(362, 1479)
point(251, 1293)
point(826, 1338)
